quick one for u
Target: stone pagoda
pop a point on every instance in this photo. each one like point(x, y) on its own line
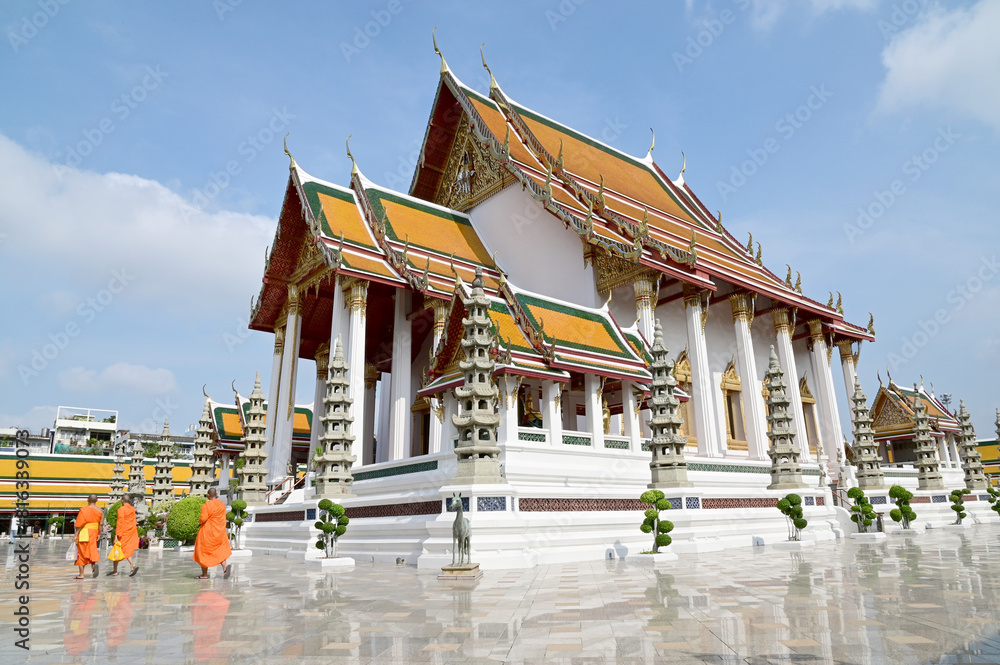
point(253, 490)
point(668, 467)
point(972, 462)
point(786, 474)
point(477, 419)
point(928, 473)
point(203, 468)
point(117, 489)
point(333, 459)
point(163, 480)
point(137, 471)
point(866, 457)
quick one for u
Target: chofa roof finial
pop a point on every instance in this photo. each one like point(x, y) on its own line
point(444, 65)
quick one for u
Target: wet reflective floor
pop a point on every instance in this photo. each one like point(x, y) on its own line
point(929, 598)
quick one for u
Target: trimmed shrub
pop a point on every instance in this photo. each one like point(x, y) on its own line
point(994, 498)
point(958, 504)
point(332, 524)
point(112, 515)
point(182, 520)
point(902, 513)
point(791, 508)
point(652, 523)
point(58, 520)
point(234, 520)
point(862, 512)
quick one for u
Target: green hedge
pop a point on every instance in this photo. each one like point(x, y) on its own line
point(182, 520)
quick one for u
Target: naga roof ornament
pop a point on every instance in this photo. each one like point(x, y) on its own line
point(444, 65)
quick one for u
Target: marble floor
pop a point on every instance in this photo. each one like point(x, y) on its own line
point(929, 598)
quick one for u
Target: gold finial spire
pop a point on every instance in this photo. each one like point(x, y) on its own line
point(718, 222)
point(493, 81)
point(444, 65)
point(354, 164)
point(871, 323)
point(840, 303)
point(684, 165)
point(798, 281)
point(788, 277)
point(203, 391)
point(653, 144)
point(291, 164)
point(608, 301)
point(750, 243)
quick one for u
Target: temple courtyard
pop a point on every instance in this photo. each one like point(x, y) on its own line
point(928, 598)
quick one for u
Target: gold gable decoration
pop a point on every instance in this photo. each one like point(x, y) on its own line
point(682, 369)
point(891, 416)
point(804, 392)
point(471, 175)
point(613, 272)
point(730, 379)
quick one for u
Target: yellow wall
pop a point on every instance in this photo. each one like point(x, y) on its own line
point(62, 482)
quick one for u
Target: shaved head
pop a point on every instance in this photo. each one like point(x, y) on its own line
point(127, 499)
point(92, 499)
point(212, 493)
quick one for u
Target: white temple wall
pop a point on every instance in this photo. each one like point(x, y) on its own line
point(671, 316)
point(623, 306)
point(763, 336)
point(537, 252)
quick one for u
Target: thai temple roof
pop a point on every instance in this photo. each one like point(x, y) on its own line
point(623, 209)
point(227, 424)
point(893, 414)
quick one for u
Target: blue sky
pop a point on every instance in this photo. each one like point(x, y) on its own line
point(130, 256)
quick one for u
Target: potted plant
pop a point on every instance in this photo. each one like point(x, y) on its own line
point(332, 524)
point(862, 512)
point(652, 523)
point(183, 519)
point(958, 504)
point(235, 517)
point(791, 508)
point(902, 513)
point(57, 521)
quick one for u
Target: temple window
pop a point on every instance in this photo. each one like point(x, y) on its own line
point(732, 394)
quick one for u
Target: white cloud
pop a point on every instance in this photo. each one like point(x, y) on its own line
point(34, 420)
point(118, 378)
point(767, 12)
point(78, 226)
point(948, 60)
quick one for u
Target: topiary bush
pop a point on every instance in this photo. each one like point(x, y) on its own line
point(993, 498)
point(652, 522)
point(902, 513)
point(182, 520)
point(958, 503)
point(862, 512)
point(58, 521)
point(791, 508)
point(332, 524)
point(235, 517)
point(112, 515)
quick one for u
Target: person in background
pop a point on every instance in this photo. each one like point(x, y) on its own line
point(211, 546)
point(88, 526)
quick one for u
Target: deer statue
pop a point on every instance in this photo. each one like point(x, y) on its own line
point(459, 533)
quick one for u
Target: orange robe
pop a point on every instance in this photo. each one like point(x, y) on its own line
point(211, 547)
point(88, 518)
point(125, 530)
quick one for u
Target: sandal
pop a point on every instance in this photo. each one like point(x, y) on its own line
point(134, 571)
point(225, 571)
point(201, 577)
point(97, 570)
point(112, 574)
point(78, 577)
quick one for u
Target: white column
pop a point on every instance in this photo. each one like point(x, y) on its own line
point(437, 428)
point(630, 417)
point(595, 416)
point(831, 433)
point(847, 364)
point(645, 303)
point(755, 418)
point(507, 431)
point(285, 414)
point(956, 459)
point(944, 454)
point(368, 428)
point(224, 473)
point(786, 356)
point(384, 408)
point(399, 393)
point(272, 389)
point(709, 443)
point(551, 410)
point(449, 433)
point(357, 302)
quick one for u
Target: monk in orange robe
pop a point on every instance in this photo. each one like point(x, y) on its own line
point(127, 535)
point(211, 547)
point(88, 529)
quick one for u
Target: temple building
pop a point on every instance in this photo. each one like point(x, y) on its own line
point(894, 420)
point(566, 251)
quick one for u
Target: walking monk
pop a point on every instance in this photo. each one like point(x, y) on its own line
point(88, 527)
point(127, 535)
point(211, 547)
